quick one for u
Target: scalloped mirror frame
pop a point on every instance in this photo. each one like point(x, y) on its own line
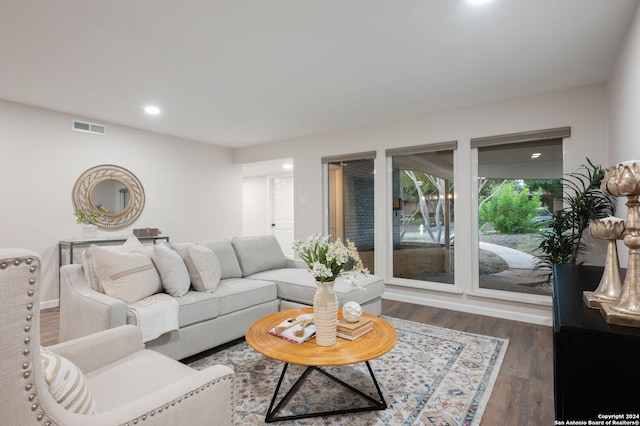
point(87, 182)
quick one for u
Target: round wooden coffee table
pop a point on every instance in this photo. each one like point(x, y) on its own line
point(363, 349)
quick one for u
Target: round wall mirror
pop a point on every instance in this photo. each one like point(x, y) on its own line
point(112, 194)
point(113, 187)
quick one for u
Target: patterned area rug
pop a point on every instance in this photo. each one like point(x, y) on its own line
point(433, 376)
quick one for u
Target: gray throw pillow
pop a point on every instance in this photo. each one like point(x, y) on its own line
point(229, 266)
point(173, 272)
point(257, 254)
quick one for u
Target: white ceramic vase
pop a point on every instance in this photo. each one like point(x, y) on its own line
point(325, 313)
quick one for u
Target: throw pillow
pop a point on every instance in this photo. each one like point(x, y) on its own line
point(257, 254)
point(133, 245)
point(173, 272)
point(128, 274)
point(89, 270)
point(230, 268)
point(203, 267)
point(66, 383)
point(88, 263)
point(181, 248)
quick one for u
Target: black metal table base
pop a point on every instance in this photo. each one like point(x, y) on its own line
point(375, 404)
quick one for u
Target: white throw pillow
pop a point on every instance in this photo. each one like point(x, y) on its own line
point(128, 274)
point(67, 384)
point(203, 267)
point(90, 270)
point(173, 272)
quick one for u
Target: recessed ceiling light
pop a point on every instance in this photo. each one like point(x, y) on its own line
point(152, 110)
point(536, 155)
point(287, 166)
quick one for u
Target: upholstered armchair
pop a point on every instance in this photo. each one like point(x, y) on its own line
point(128, 384)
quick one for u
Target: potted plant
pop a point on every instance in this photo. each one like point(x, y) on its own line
point(326, 261)
point(561, 240)
point(89, 219)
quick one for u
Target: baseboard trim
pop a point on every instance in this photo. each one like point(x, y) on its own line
point(48, 304)
point(542, 318)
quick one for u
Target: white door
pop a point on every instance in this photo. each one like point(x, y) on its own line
point(282, 214)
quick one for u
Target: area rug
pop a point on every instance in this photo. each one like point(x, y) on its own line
point(433, 376)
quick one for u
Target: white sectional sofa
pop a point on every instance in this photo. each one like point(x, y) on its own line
point(255, 279)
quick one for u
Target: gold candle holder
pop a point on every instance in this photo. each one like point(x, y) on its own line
point(611, 229)
point(624, 180)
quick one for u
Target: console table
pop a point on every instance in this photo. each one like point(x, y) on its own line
point(79, 242)
point(596, 369)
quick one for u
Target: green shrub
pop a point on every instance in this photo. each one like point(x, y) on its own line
point(510, 211)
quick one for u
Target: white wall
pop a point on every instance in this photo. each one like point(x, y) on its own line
point(624, 111)
point(255, 206)
point(583, 108)
point(193, 190)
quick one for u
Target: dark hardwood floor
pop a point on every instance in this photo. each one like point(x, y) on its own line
point(523, 393)
point(49, 326)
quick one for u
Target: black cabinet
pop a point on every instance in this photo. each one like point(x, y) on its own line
point(596, 365)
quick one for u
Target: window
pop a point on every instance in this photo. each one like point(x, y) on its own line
point(350, 203)
point(519, 188)
point(422, 213)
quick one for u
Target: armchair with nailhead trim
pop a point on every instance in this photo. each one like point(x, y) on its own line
point(130, 385)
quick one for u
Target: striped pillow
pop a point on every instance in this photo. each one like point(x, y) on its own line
point(128, 274)
point(66, 383)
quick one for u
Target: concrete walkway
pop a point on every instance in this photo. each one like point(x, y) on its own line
point(520, 272)
point(515, 259)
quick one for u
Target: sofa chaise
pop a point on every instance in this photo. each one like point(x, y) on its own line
point(251, 278)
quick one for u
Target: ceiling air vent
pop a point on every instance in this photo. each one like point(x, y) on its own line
point(83, 126)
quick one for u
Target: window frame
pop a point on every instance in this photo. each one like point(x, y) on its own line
point(406, 282)
point(562, 133)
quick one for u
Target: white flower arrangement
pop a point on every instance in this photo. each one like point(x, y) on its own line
point(326, 260)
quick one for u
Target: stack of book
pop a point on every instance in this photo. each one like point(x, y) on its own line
point(353, 330)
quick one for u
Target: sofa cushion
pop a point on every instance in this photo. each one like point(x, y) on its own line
point(232, 294)
point(257, 254)
point(196, 306)
point(239, 293)
point(203, 267)
point(229, 266)
point(155, 315)
point(128, 274)
point(66, 383)
point(137, 376)
point(298, 285)
point(173, 272)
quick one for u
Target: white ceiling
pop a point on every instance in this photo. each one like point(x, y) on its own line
point(243, 72)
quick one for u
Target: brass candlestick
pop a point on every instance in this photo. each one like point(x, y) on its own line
point(624, 180)
point(611, 229)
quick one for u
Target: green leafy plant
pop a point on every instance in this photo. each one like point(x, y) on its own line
point(511, 211)
point(328, 259)
point(562, 239)
point(90, 217)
